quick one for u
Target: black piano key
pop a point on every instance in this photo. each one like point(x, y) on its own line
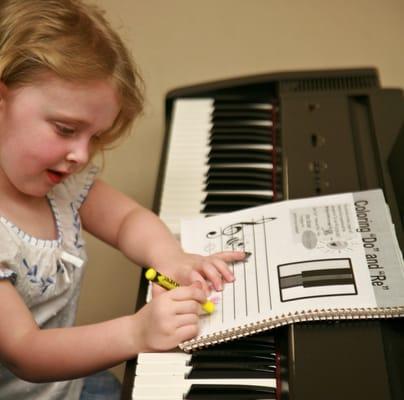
point(210, 205)
point(213, 209)
point(220, 209)
point(259, 351)
point(235, 130)
point(234, 357)
point(241, 115)
point(236, 198)
point(261, 338)
point(229, 392)
point(242, 123)
point(242, 104)
point(237, 184)
point(220, 155)
point(245, 138)
point(231, 371)
point(254, 343)
point(240, 172)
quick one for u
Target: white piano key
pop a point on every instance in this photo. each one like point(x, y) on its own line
point(178, 368)
point(174, 387)
point(186, 162)
point(158, 396)
point(180, 381)
point(168, 358)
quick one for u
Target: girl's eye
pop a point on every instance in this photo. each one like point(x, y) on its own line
point(64, 130)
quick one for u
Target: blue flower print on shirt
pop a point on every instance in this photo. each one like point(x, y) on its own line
point(77, 225)
point(45, 283)
point(32, 273)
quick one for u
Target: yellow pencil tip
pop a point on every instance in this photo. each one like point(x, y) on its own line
point(150, 274)
point(209, 307)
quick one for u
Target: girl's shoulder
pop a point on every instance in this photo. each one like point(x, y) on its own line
point(9, 250)
point(7, 241)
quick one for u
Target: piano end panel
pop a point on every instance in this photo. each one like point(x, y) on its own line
point(340, 360)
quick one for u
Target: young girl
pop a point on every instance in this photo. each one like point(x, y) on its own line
point(67, 90)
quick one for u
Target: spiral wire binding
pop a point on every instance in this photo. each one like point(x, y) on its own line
point(285, 319)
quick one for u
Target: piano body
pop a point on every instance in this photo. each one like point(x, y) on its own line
point(244, 142)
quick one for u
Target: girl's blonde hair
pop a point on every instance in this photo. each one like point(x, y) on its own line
point(73, 40)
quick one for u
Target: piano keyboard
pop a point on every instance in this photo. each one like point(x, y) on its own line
point(220, 159)
point(245, 369)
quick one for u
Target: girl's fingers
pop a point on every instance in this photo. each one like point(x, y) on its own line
point(197, 278)
point(188, 307)
point(232, 256)
point(186, 319)
point(186, 332)
point(224, 269)
point(157, 290)
point(192, 292)
point(212, 274)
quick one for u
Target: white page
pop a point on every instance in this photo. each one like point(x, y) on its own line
point(307, 255)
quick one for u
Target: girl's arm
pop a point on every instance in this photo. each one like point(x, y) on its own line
point(143, 238)
point(41, 355)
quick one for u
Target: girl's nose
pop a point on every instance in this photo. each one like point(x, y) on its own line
point(78, 152)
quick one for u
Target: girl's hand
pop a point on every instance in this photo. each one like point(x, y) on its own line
point(210, 271)
point(171, 318)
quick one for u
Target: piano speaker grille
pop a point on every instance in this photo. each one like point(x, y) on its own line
point(322, 84)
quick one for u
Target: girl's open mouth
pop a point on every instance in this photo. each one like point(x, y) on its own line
point(55, 176)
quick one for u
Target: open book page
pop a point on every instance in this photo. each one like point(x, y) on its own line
point(329, 252)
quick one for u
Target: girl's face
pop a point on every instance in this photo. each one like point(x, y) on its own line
point(47, 128)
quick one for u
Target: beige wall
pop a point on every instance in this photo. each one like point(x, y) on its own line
point(183, 42)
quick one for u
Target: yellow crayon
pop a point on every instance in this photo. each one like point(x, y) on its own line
point(167, 283)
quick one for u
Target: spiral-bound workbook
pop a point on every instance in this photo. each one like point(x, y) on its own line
point(328, 257)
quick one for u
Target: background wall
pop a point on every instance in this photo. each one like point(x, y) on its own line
point(183, 42)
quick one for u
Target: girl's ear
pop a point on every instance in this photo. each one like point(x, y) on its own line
point(3, 95)
point(3, 91)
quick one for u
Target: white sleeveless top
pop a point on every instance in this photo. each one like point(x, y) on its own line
point(47, 275)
